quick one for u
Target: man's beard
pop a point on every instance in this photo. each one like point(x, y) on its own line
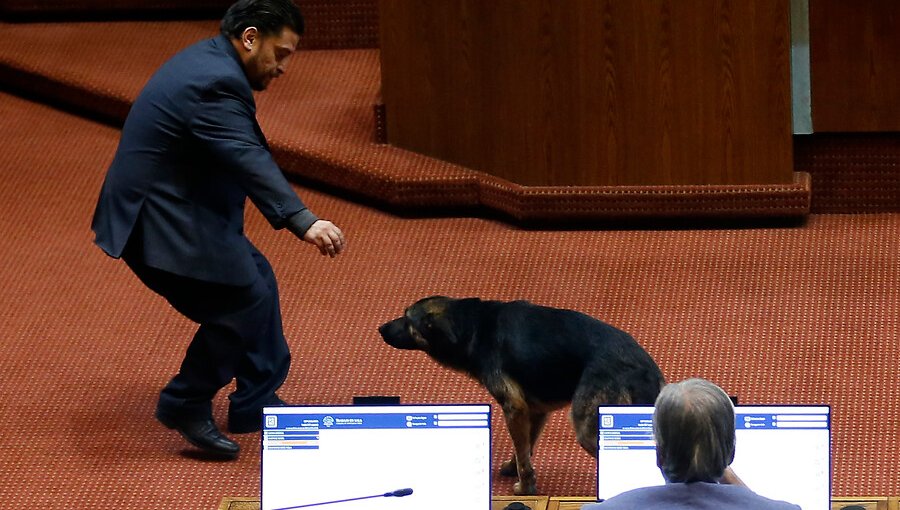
point(260, 81)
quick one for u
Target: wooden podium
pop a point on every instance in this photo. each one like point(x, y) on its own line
point(677, 105)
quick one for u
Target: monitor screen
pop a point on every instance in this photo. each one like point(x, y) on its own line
point(366, 457)
point(782, 452)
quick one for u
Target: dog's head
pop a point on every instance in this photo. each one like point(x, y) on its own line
point(438, 325)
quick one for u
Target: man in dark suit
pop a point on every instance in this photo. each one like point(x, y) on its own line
point(693, 425)
point(172, 206)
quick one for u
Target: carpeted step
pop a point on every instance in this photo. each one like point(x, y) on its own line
point(319, 117)
point(68, 9)
point(331, 24)
point(320, 120)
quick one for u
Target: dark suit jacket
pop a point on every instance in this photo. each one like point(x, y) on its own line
point(691, 496)
point(190, 154)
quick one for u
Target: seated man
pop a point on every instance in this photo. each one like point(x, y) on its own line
point(693, 425)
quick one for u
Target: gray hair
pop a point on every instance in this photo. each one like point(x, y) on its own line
point(693, 424)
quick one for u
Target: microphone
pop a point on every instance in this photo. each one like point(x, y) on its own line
point(399, 493)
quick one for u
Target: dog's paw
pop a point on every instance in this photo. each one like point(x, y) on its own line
point(524, 489)
point(509, 468)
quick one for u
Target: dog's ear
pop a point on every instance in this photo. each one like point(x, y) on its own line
point(440, 325)
point(430, 302)
point(447, 330)
point(445, 344)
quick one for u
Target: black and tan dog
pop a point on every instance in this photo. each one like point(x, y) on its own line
point(532, 359)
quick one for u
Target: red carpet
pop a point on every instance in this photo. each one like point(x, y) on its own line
point(803, 315)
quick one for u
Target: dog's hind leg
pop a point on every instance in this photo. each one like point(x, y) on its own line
point(636, 383)
point(584, 415)
point(538, 420)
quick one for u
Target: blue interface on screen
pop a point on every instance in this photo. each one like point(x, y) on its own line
point(376, 457)
point(782, 452)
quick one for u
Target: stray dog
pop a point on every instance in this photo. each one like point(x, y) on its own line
point(532, 359)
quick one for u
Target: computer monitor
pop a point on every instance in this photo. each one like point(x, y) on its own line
point(365, 457)
point(782, 452)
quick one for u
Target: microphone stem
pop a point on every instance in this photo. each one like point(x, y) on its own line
point(330, 502)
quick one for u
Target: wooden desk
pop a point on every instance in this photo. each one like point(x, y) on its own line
point(497, 502)
point(569, 503)
point(857, 503)
point(239, 504)
point(575, 502)
point(533, 502)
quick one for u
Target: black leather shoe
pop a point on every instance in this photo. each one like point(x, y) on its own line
point(203, 434)
point(245, 423)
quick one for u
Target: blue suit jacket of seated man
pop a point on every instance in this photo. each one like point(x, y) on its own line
point(691, 496)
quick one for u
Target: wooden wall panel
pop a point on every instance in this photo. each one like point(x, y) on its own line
point(593, 92)
point(855, 65)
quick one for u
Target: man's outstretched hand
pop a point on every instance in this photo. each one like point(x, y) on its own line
point(327, 237)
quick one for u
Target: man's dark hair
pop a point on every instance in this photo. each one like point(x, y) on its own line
point(694, 429)
point(268, 16)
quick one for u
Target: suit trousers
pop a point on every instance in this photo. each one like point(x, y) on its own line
point(239, 337)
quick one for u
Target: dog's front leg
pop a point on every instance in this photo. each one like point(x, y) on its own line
point(518, 421)
point(538, 419)
point(519, 425)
